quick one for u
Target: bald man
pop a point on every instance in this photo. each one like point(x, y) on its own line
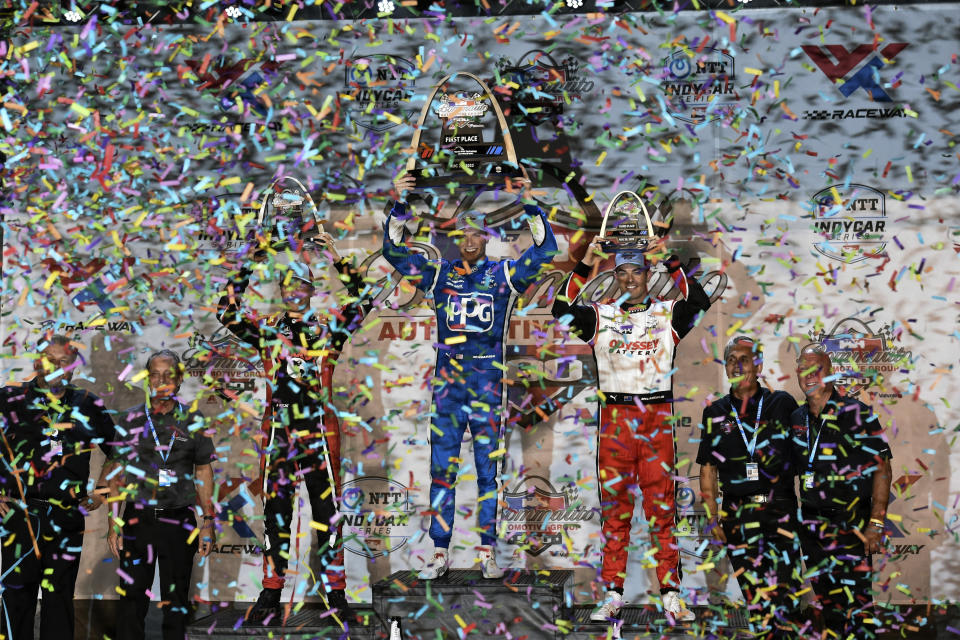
point(843, 461)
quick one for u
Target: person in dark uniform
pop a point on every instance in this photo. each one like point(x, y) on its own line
point(745, 456)
point(166, 459)
point(844, 466)
point(49, 428)
point(299, 352)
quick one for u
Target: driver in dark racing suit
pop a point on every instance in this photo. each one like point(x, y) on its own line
point(299, 353)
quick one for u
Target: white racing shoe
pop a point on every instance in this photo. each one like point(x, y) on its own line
point(488, 563)
point(436, 568)
point(609, 609)
point(675, 606)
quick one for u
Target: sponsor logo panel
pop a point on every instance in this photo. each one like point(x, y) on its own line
point(701, 88)
point(376, 516)
point(378, 89)
point(537, 516)
point(851, 222)
point(861, 356)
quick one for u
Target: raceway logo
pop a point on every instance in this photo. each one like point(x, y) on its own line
point(227, 81)
point(470, 313)
point(544, 84)
point(378, 89)
point(375, 516)
point(218, 219)
point(701, 89)
point(861, 356)
point(537, 516)
point(851, 222)
point(854, 70)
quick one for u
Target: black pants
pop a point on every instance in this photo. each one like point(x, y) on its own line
point(150, 538)
point(844, 572)
point(763, 548)
point(288, 464)
point(59, 536)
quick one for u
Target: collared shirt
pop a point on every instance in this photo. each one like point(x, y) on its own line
point(841, 448)
point(48, 441)
point(137, 450)
point(722, 444)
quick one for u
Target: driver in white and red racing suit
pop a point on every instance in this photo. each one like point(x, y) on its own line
point(634, 342)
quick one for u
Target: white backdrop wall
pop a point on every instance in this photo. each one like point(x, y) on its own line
point(133, 151)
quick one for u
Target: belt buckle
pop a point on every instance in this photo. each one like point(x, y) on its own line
point(760, 499)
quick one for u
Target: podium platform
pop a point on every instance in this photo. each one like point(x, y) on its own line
point(310, 623)
point(645, 621)
point(521, 604)
point(531, 605)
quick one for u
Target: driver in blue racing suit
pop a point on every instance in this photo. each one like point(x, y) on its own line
point(473, 298)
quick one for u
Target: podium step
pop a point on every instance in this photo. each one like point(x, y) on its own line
point(310, 623)
point(645, 621)
point(463, 603)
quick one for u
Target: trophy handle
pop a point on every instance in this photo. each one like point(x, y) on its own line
point(501, 120)
point(643, 207)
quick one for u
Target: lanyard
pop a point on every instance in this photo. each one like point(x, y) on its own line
point(752, 445)
point(173, 436)
point(813, 451)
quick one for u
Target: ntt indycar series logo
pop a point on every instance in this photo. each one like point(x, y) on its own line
point(375, 516)
point(537, 515)
point(851, 222)
point(378, 89)
point(861, 356)
point(702, 88)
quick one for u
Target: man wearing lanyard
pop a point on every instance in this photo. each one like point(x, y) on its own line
point(745, 456)
point(166, 461)
point(845, 476)
point(49, 429)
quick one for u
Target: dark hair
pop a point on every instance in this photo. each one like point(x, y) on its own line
point(59, 340)
point(166, 353)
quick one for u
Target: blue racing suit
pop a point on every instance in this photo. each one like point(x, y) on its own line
point(473, 307)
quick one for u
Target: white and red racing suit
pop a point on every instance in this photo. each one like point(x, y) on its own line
point(634, 347)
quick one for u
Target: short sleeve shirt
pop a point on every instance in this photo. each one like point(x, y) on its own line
point(183, 445)
point(51, 440)
point(840, 449)
point(725, 447)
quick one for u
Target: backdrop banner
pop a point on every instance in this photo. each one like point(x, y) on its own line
point(806, 159)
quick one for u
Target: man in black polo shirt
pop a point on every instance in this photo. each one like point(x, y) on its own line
point(166, 457)
point(49, 429)
point(844, 466)
point(745, 454)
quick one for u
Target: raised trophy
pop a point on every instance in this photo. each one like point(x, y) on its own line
point(627, 225)
point(288, 216)
point(471, 148)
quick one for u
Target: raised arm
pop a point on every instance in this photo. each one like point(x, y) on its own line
point(523, 271)
point(414, 266)
point(693, 302)
point(230, 309)
point(582, 318)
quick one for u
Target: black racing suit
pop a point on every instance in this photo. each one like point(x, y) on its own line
point(303, 435)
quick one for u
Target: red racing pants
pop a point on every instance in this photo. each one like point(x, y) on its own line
point(635, 453)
